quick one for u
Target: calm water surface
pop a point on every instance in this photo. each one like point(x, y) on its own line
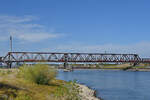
point(113, 85)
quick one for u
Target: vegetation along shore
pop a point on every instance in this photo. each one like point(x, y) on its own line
point(38, 82)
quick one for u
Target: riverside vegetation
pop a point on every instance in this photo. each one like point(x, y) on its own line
point(37, 82)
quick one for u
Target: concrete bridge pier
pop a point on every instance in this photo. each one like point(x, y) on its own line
point(65, 65)
point(9, 64)
point(135, 63)
point(67, 68)
point(66, 61)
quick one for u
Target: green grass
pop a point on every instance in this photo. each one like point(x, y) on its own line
point(15, 86)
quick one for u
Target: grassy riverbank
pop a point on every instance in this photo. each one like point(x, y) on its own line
point(15, 87)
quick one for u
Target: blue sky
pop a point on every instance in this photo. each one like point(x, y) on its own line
point(114, 26)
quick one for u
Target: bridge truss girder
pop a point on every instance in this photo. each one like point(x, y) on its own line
point(71, 57)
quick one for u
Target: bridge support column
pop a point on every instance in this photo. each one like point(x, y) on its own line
point(66, 61)
point(9, 64)
point(134, 64)
point(65, 65)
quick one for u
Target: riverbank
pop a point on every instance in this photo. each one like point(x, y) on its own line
point(87, 93)
point(11, 84)
point(140, 70)
point(15, 87)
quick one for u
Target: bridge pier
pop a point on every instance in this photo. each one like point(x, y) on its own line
point(134, 64)
point(66, 60)
point(9, 64)
point(65, 65)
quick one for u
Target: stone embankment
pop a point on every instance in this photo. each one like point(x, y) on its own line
point(87, 93)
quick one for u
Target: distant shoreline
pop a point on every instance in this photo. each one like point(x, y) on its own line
point(132, 69)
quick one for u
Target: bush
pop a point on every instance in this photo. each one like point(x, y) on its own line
point(40, 74)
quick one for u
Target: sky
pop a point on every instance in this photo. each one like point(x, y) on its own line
point(94, 26)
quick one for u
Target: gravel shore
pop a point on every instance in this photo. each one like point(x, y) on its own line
point(87, 93)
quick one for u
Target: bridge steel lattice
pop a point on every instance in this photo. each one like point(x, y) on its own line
point(12, 57)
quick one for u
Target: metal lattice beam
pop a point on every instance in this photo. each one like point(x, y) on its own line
point(71, 57)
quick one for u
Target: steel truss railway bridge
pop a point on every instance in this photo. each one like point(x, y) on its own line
point(21, 57)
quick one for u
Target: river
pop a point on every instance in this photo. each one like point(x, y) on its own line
point(113, 84)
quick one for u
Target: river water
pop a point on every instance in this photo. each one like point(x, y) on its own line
point(113, 85)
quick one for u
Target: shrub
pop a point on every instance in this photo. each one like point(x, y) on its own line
point(40, 74)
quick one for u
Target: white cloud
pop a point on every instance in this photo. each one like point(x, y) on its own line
point(24, 29)
point(15, 19)
point(35, 37)
point(142, 48)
